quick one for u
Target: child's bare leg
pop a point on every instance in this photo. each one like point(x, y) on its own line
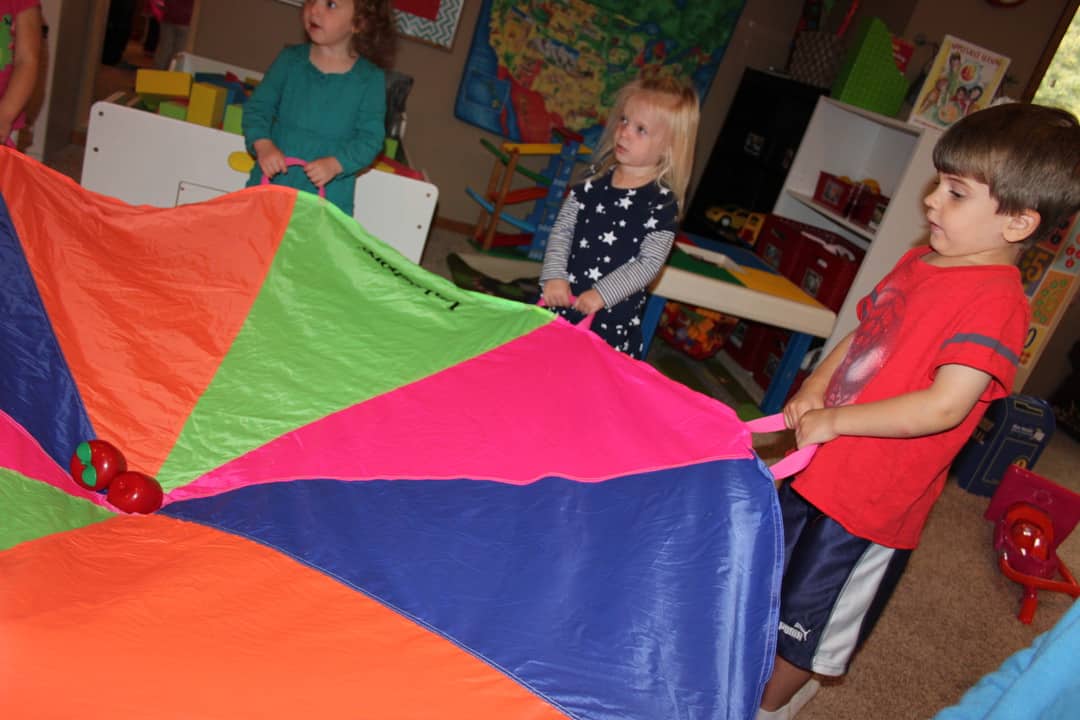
point(785, 682)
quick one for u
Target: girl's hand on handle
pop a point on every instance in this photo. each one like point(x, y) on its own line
point(589, 302)
point(271, 160)
point(556, 293)
point(322, 171)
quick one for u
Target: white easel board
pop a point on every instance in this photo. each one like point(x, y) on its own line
point(147, 159)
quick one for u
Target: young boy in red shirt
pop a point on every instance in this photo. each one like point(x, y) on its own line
point(939, 338)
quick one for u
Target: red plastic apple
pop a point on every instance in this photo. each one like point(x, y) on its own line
point(95, 463)
point(135, 492)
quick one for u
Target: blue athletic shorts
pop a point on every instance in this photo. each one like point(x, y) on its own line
point(835, 587)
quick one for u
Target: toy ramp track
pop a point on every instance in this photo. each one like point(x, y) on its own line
point(386, 497)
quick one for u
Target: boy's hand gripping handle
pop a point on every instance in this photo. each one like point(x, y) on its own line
point(793, 462)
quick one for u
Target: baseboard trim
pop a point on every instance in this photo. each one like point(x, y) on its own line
point(454, 226)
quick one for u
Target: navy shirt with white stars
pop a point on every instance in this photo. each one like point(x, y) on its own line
point(613, 240)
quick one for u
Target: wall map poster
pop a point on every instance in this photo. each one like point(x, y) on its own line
point(539, 64)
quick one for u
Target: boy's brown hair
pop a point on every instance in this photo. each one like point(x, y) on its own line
point(1028, 155)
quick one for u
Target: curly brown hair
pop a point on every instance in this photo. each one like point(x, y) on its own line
point(374, 37)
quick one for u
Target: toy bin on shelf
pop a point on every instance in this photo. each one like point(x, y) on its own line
point(821, 262)
point(1014, 431)
point(745, 341)
point(773, 345)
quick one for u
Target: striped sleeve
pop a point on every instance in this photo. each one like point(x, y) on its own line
point(639, 271)
point(557, 253)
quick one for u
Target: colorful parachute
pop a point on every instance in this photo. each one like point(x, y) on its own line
point(386, 497)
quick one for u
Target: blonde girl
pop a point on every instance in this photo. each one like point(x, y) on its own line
point(615, 229)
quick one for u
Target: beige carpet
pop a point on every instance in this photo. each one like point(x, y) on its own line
point(952, 620)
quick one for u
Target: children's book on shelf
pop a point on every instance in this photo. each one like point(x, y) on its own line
point(964, 78)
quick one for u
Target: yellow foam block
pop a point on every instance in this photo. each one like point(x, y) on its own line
point(207, 104)
point(162, 83)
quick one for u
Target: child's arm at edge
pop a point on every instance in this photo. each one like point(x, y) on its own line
point(943, 405)
point(368, 131)
point(258, 116)
point(631, 276)
point(24, 76)
point(554, 283)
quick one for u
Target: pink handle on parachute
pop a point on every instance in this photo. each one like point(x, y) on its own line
point(585, 323)
point(290, 162)
point(793, 462)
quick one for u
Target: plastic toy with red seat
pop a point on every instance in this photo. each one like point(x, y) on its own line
point(1033, 516)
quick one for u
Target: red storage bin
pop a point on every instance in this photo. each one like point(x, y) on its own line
point(821, 262)
point(834, 192)
point(744, 343)
point(772, 349)
point(779, 241)
point(770, 352)
point(825, 267)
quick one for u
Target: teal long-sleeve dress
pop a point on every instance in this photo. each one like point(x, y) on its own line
point(310, 114)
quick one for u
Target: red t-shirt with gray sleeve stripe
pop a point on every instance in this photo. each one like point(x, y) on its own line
point(917, 319)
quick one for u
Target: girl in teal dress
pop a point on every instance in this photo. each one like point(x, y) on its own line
point(325, 101)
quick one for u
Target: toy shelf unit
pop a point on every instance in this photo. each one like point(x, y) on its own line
point(849, 141)
point(546, 193)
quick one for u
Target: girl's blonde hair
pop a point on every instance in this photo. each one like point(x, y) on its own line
point(676, 102)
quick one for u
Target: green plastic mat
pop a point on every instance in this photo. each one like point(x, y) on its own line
point(684, 261)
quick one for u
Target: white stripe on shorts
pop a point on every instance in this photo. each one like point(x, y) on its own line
point(840, 635)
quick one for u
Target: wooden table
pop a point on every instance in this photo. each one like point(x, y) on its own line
point(734, 281)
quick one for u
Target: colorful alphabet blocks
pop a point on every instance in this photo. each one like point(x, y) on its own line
point(162, 83)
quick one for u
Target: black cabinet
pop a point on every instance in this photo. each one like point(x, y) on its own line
point(755, 148)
